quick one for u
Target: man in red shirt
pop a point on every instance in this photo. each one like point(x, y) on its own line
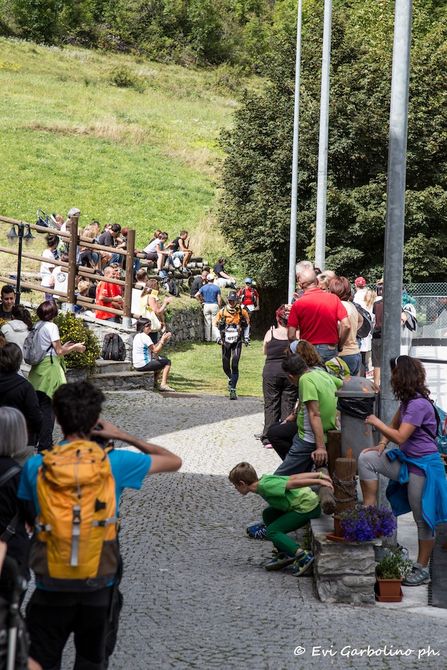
point(108, 295)
point(320, 318)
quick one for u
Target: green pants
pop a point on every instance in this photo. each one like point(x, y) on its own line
point(280, 523)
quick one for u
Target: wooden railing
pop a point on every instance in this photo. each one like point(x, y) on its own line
point(74, 271)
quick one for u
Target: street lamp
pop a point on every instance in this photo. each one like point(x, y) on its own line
point(23, 233)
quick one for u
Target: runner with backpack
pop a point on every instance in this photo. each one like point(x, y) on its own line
point(249, 296)
point(75, 488)
point(233, 322)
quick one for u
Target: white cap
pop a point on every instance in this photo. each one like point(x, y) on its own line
point(210, 277)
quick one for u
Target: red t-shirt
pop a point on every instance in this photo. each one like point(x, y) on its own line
point(316, 315)
point(249, 296)
point(106, 290)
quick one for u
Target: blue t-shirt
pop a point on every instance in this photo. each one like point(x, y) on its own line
point(209, 293)
point(128, 469)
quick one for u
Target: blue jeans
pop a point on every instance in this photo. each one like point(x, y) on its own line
point(327, 351)
point(353, 361)
point(298, 459)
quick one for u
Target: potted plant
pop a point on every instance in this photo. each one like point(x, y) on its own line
point(363, 524)
point(389, 573)
point(73, 329)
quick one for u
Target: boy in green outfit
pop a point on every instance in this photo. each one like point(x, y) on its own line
point(291, 505)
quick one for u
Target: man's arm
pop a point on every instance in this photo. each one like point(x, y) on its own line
point(163, 460)
point(343, 332)
point(319, 456)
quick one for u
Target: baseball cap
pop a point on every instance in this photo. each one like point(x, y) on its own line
point(232, 295)
point(210, 277)
point(360, 282)
point(248, 280)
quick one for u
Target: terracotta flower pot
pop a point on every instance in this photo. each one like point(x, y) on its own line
point(388, 590)
point(338, 530)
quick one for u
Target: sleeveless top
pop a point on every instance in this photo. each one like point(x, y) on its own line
point(275, 350)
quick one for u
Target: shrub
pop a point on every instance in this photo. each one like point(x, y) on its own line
point(393, 566)
point(125, 78)
point(72, 329)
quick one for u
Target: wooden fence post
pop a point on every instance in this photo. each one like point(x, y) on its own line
point(128, 279)
point(72, 267)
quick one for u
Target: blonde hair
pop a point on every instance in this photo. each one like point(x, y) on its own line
point(243, 472)
point(369, 298)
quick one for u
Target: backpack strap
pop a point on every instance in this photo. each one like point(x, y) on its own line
point(9, 474)
point(438, 421)
point(10, 529)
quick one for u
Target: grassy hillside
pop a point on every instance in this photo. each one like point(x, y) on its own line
point(144, 156)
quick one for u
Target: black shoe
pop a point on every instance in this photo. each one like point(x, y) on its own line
point(233, 395)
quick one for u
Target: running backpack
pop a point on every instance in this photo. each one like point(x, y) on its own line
point(76, 545)
point(113, 348)
point(366, 327)
point(33, 352)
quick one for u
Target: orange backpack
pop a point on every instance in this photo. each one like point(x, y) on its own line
point(76, 545)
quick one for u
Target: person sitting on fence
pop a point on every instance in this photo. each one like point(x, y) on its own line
point(109, 238)
point(152, 308)
point(82, 291)
point(291, 505)
point(87, 257)
point(180, 248)
point(145, 355)
point(108, 295)
point(73, 215)
point(17, 329)
point(8, 298)
point(59, 281)
point(51, 253)
point(156, 251)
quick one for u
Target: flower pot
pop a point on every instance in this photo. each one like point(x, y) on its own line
point(388, 590)
point(338, 530)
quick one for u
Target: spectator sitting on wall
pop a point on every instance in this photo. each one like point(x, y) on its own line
point(146, 358)
point(223, 278)
point(73, 215)
point(8, 297)
point(156, 251)
point(108, 295)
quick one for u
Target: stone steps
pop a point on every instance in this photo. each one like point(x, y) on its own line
point(123, 381)
point(106, 367)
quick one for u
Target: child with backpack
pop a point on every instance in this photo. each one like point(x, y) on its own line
point(292, 503)
point(75, 488)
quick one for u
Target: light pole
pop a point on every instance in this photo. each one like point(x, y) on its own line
point(320, 227)
point(395, 217)
point(296, 120)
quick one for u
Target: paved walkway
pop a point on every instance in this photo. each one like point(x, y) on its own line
point(195, 593)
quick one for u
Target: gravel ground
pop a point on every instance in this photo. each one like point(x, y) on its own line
point(196, 595)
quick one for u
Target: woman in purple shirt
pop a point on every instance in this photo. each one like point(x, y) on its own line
point(413, 429)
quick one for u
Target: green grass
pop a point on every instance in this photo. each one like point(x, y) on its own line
point(197, 368)
point(147, 160)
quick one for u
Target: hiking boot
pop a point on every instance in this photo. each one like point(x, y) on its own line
point(279, 561)
point(233, 394)
point(303, 563)
point(417, 576)
point(257, 530)
point(166, 387)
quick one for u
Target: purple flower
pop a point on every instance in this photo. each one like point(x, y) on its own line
point(363, 524)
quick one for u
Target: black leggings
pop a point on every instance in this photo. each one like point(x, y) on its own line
point(155, 365)
point(280, 436)
point(231, 354)
point(46, 430)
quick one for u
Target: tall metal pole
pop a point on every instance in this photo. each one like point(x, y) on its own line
point(395, 217)
point(296, 119)
point(21, 227)
point(320, 229)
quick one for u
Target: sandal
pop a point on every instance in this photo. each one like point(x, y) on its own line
point(417, 576)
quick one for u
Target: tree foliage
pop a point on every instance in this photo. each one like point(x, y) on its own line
point(255, 203)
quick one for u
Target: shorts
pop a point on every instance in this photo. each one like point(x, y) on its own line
point(152, 256)
point(376, 352)
point(155, 365)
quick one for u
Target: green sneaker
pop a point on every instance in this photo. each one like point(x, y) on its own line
point(233, 394)
point(278, 561)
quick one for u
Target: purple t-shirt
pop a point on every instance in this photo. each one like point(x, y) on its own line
point(419, 412)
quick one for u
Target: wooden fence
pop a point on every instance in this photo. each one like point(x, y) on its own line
point(74, 271)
